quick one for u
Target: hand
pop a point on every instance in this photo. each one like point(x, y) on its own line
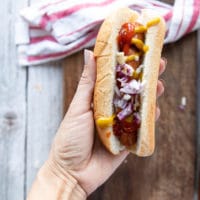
point(76, 149)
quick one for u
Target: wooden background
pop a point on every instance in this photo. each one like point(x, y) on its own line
point(33, 101)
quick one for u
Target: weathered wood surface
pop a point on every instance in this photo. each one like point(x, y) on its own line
point(197, 166)
point(12, 107)
point(44, 111)
point(31, 108)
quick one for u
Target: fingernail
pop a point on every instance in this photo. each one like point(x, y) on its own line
point(157, 113)
point(87, 54)
point(160, 89)
point(163, 82)
point(165, 60)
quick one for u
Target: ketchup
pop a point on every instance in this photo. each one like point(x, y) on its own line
point(126, 131)
point(125, 35)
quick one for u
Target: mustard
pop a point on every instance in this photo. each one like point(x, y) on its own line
point(129, 119)
point(135, 75)
point(103, 122)
point(140, 29)
point(145, 48)
point(153, 22)
point(141, 76)
point(139, 44)
point(132, 57)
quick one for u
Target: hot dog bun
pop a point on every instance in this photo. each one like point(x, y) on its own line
point(105, 54)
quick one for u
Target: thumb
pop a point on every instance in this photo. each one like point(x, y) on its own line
point(81, 102)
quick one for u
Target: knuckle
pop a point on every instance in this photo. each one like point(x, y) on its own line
point(85, 79)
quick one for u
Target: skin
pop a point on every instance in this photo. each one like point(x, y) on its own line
point(76, 149)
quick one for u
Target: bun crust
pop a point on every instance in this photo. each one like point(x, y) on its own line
point(105, 54)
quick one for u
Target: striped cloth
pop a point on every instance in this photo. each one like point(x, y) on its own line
point(56, 29)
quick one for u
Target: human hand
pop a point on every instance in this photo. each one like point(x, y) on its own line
point(76, 150)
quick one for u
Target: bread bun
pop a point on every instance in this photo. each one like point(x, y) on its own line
point(105, 51)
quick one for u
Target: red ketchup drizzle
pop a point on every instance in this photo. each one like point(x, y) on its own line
point(125, 35)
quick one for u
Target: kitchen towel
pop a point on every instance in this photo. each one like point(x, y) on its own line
point(55, 29)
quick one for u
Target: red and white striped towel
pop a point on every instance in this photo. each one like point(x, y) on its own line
point(54, 30)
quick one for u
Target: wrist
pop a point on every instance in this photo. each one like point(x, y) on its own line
point(51, 185)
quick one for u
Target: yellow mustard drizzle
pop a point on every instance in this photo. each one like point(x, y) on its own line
point(140, 29)
point(153, 22)
point(137, 76)
point(103, 122)
point(129, 119)
point(139, 44)
point(140, 76)
point(145, 48)
point(132, 57)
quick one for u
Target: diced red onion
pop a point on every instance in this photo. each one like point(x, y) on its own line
point(181, 107)
point(120, 103)
point(125, 69)
point(132, 87)
point(123, 81)
point(125, 112)
point(127, 97)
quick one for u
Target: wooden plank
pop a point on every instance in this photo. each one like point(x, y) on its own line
point(12, 106)
point(73, 66)
point(197, 166)
point(45, 109)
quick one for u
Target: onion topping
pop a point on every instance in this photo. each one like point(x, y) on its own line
point(125, 69)
point(132, 87)
point(125, 112)
point(120, 103)
point(126, 93)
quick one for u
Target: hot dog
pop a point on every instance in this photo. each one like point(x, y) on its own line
point(127, 51)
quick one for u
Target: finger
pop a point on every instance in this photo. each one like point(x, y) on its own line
point(157, 113)
point(81, 102)
point(163, 64)
point(160, 88)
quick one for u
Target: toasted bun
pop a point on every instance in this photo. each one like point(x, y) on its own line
point(105, 53)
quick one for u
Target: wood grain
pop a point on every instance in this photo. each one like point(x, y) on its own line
point(72, 67)
point(197, 164)
point(12, 107)
point(31, 108)
point(44, 114)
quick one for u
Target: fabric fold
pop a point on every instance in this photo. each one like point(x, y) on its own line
point(56, 29)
